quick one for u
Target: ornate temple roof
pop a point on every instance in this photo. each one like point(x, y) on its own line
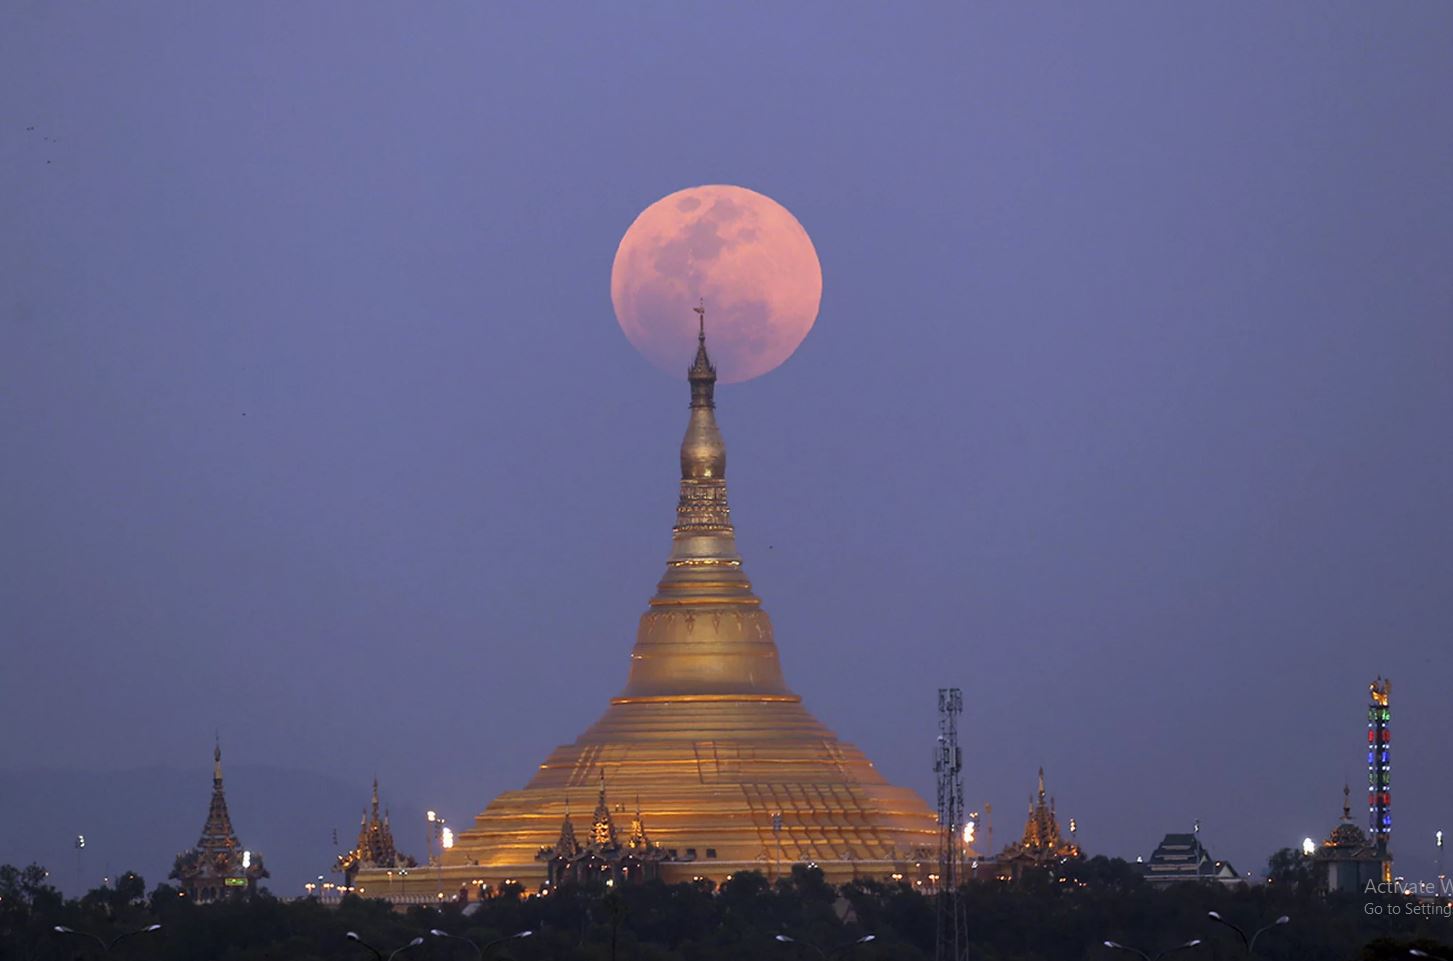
point(566, 846)
point(603, 845)
point(602, 828)
point(217, 834)
point(637, 837)
point(218, 855)
point(1347, 840)
point(375, 845)
point(1042, 840)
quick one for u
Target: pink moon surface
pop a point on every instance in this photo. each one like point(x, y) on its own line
point(741, 252)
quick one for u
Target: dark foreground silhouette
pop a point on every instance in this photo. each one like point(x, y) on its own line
point(796, 918)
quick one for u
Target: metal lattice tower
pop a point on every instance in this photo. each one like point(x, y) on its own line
point(948, 763)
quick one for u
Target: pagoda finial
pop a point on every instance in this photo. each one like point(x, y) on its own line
point(1041, 783)
point(701, 373)
point(1346, 801)
point(217, 760)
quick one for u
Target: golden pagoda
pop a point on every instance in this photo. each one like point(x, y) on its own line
point(374, 847)
point(1042, 845)
point(730, 769)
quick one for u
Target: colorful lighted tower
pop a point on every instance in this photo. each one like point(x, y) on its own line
point(1379, 767)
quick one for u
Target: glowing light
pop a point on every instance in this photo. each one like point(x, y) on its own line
point(1309, 847)
point(968, 832)
point(246, 860)
point(448, 838)
point(432, 817)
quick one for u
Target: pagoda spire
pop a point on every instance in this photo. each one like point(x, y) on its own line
point(702, 373)
point(602, 828)
point(217, 864)
point(217, 833)
point(566, 846)
point(638, 838)
point(705, 634)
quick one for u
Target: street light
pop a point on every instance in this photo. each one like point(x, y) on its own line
point(1423, 954)
point(442, 836)
point(106, 946)
point(1309, 847)
point(1250, 942)
point(353, 936)
point(823, 954)
point(479, 952)
point(412, 944)
point(1117, 946)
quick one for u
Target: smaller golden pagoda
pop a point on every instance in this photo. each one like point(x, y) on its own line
point(1042, 845)
point(604, 859)
point(375, 846)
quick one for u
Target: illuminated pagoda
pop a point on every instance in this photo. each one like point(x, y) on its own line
point(604, 859)
point(706, 731)
point(1379, 770)
point(375, 846)
point(1042, 847)
point(218, 866)
point(1348, 859)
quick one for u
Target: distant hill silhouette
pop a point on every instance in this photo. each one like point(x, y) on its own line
point(139, 819)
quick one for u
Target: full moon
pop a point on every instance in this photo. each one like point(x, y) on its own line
point(742, 253)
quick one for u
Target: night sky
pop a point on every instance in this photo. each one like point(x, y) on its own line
point(1126, 411)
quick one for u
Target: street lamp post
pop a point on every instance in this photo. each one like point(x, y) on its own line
point(480, 952)
point(1117, 946)
point(1250, 942)
point(823, 954)
point(353, 936)
point(1439, 838)
point(1423, 954)
point(441, 835)
point(1198, 850)
point(777, 838)
point(106, 946)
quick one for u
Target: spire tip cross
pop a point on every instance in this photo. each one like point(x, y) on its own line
point(700, 309)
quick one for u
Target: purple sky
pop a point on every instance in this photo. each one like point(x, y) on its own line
point(1127, 409)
